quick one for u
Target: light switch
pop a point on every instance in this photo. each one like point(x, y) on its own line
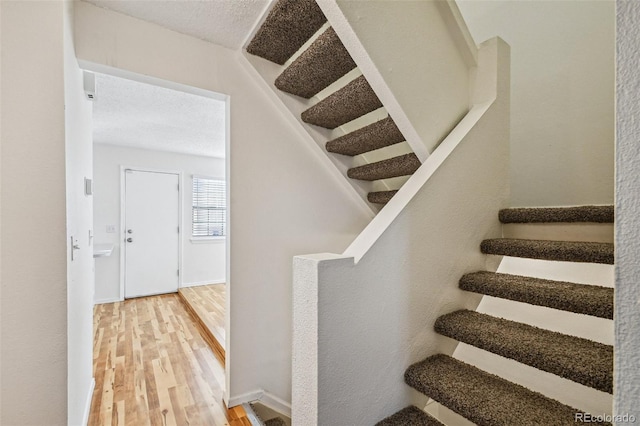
point(111, 229)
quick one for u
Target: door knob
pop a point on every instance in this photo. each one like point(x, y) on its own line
point(129, 231)
point(129, 240)
point(74, 246)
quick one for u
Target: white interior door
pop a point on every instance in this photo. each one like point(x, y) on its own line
point(152, 205)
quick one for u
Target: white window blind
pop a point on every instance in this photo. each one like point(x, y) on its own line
point(209, 207)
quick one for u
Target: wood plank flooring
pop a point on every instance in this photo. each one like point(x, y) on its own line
point(208, 301)
point(152, 367)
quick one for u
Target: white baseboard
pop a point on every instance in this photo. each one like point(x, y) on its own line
point(277, 404)
point(87, 406)
point(245, 397)
point(108, 300)
point(265, 398)
point(199, 283)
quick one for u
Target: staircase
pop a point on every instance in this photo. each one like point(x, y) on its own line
point(487, 399)
point(295, 34)
point(317, 69)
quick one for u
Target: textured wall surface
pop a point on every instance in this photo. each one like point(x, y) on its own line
point(223, 22)
point(34, 272)
point(627, 302)
point(562, 96)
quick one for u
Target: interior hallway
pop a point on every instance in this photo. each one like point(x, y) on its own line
point(152, 367)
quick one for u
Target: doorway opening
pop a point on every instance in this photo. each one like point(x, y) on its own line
point(160, 202)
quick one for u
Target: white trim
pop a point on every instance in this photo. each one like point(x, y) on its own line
point(207, 177)
point(154, 294)
point(265, 398)
point(485, 92)
point(227, 248)
point(107, 300)
point(199, 283)
point(206, 240)
point(158, 149)
point(252, 396)
point(375, 79)
point(87, 404)
point(141, 78)
point(275, 403)
point(122, 230)
point(179, 174)
point(459, 31)
point(365, 240)
point(562, 206)
point(347, 185)
point(181, 231)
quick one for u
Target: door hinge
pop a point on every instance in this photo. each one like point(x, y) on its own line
point(178, 187)
point(178, 229)
point(178, 272)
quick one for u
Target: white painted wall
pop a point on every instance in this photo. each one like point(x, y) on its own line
point(1, 137)
point(627, 314)
point(361, 318)
point(414, 52)
point(562, 114)
point(283, 200)
point(203, 262)
point(0, 206)
point(34, 272)
point(80, 276)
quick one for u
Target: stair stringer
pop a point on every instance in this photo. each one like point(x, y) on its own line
point(450, 27)
point(419, 60)
point(361, 318)
point(290, 108)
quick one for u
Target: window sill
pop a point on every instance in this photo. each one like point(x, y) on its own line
point(206, 240)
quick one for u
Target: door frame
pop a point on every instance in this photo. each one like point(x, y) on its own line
point(123, 206)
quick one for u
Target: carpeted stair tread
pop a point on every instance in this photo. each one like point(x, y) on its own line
point(288, 26)
point(381, 197)
point(597, 214)
point(581, 360)
point(277, 421)
point(579, 298)
point(402, 165)
point(374, 136)
point(352, 101)
point(324, 62)
point(410, 416)
point(568, 251)
point(484, 398)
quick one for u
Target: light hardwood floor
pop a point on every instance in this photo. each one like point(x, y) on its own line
point(208, 301)
point(152, 367)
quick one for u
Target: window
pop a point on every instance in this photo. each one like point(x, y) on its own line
point(209, 207)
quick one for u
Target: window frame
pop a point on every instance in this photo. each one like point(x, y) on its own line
point(205, 238)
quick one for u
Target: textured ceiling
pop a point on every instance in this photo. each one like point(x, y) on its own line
point(139, 115)
point(224, 22)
